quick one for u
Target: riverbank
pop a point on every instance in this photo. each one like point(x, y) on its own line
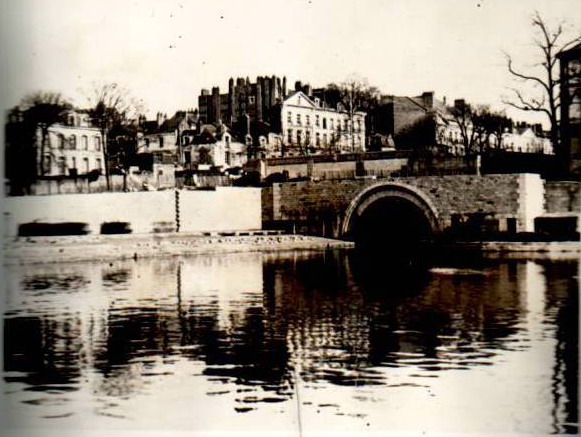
point(520, 249)
point(37, 250)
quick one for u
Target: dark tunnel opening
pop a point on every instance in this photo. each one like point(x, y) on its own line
point(395, 228)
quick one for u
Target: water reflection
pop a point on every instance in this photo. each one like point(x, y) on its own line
point(98, 345)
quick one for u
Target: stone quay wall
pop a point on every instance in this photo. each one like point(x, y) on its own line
point(514, 196)
point(562, 197)
point(223, 209)
point(337, 170)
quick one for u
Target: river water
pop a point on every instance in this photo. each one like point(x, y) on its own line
point(294, 343)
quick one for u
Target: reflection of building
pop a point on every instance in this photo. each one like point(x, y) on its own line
point(72, 147)
point(570, 61)
point(309, 128)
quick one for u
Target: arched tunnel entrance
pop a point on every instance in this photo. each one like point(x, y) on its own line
point(394, 220)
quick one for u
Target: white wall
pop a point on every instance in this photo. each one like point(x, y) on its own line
point(531, 201)
point(224, 209)
point(227, 208)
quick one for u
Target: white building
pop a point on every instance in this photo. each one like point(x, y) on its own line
point(71, 146)
point(526, 141)
point(309, 128)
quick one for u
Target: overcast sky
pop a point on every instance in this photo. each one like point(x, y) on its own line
point(166, 51)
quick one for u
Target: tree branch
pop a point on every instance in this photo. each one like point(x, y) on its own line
point(524, 76)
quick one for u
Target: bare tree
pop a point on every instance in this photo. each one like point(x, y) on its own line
point(544, 76)
point(112, 105)
point(465, 117)
point(356, 94)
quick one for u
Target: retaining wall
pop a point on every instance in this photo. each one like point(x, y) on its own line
point(146, 212)
point(338, 170)
point(518, 196)
point(561, 197)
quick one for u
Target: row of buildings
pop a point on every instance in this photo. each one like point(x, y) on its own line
point(263, 119)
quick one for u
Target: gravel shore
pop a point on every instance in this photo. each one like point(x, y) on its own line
point(35, 250)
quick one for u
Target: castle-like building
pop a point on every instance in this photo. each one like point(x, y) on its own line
point(244, 98)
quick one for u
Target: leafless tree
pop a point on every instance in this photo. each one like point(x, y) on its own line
point(356, 94)
point(111, 105)
point(465, 117)
point(543, 76)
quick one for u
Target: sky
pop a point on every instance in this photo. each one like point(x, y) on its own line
point(166, 51)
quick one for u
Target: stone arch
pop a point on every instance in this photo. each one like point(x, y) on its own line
point(406, 194)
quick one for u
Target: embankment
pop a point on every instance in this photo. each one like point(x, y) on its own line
point(35, 250)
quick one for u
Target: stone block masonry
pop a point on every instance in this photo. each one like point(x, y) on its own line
point(512, 196)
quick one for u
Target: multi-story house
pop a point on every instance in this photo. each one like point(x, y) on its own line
point(161, 138)
point(307, 127)
point(73, 147)
point(213, 146)
point(570, 124)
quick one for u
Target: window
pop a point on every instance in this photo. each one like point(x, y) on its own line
point(97, 143)
point(85, 142)
point(61, 141)
point(299, 135)
point(289, 117)
point(86, 165)
point(98, 164)
point(331, 124)
point(73, 162)
point(316, 120)
point(62, 164)
point(72, 142)
point(160, 142)
point(251, 100)
point(308, 137)
point(290, 135)
point(324, 123)
point(317, 139)
point(324, 139)
point(299, 119)
point(46, 164)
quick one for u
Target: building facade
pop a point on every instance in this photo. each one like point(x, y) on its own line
point(254, 99)
point(309, 128)
point(570, 124)
point(72, 148)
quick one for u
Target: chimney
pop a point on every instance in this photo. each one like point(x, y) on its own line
point(459, 103)
point(298, 85)
point(428, 99)
point(308, 90)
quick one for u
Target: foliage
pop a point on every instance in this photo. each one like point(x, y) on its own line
point(421, 135)
point(36, 111)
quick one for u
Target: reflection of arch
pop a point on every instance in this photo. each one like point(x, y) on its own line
point(390, 191)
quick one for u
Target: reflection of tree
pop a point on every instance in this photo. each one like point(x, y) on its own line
point(563, 305)
point(335, 315)
point(48, 357)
